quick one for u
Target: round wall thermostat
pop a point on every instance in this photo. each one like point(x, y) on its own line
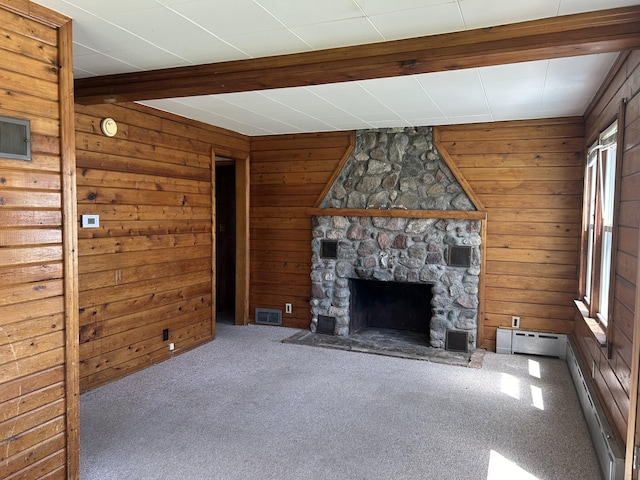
point(109, 127)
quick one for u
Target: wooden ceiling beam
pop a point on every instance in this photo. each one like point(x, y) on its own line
point(610, 30)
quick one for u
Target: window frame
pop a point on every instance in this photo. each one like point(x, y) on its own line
point(597, 224)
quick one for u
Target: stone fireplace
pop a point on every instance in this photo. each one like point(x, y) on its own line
point(401, 250)
point(393, 215)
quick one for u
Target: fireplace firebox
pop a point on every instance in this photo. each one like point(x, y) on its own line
point(390, 305)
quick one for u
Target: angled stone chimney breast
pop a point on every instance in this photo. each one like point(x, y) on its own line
point(396, 168)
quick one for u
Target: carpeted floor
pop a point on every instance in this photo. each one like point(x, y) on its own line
point(248, 406)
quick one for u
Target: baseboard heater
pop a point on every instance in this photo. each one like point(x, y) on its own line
point(531, 343)
point(607, 450)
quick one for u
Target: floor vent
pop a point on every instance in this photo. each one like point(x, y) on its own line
point(268, 316)
point(607, 450)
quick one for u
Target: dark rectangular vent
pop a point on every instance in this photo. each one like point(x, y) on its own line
point(329, 249)
point(326, 325)
point(459, 256)
point(15, 139)
point(268, 316)
point(457, 341)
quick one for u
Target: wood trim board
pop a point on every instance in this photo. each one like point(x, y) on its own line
point(570, 35)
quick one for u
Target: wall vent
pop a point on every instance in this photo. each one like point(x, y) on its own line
point(268, 316)
point(15, 139)
point(329, 249)
point(459, 256)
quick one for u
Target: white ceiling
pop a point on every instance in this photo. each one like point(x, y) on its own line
point(118, 36)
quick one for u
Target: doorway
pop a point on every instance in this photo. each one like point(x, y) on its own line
point(225, 189)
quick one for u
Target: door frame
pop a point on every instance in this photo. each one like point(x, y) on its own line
point(242, 241)
point(242, 180)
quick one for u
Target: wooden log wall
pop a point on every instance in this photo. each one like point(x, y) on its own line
point(612, 376)
point(148, 267)
point(38, 397)
point(528, 176)
point(288, 175)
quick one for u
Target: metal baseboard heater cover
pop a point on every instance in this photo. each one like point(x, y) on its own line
point(610, 455)
point(532, 343)
point(536, 343)
point(268, 316)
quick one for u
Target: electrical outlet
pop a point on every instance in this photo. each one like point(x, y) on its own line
point(287, 308)
point(172, 346)
point(515, 322)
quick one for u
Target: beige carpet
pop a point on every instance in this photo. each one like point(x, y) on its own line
point(248, 406)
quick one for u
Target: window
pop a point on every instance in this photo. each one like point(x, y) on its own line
point(599, 208)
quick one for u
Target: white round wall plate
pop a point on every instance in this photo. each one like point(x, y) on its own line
point(109, 127)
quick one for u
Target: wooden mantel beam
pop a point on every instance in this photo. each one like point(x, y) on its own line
point(571, 35)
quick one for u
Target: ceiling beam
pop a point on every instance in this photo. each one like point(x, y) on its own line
point(571, 35)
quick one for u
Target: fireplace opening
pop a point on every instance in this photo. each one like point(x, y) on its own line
point(390, 305)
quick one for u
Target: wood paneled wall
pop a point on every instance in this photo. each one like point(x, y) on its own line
point(288, 175)
point(37, 396)
point(148, 267)
point(528, 176)
point(612, 375)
